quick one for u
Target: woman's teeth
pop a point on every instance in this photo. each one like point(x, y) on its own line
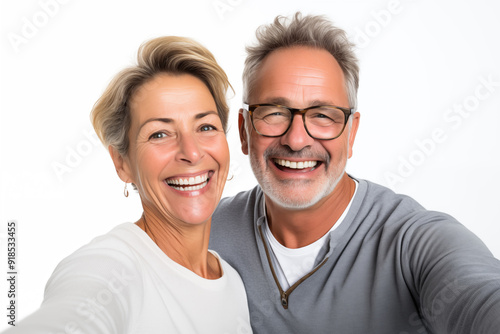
point(190, 188)
point(295, 164)
point(189, 184)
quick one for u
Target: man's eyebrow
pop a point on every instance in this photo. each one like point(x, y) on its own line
point(286, 102)
point(323, 103)
point(279, 100)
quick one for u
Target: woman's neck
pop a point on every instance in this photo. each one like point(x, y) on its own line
point(183, 243)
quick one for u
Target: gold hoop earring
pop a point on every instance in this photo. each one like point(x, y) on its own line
point(230, 178)
point(125, 190)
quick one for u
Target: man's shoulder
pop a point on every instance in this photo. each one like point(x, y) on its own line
point(236, 215)
point(243, 202)
point(377, 196)
point(400, 212)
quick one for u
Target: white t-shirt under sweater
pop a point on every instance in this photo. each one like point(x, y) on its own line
point(122, 283)
point(291, 264)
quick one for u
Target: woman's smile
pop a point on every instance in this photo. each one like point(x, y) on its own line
point(190, 183)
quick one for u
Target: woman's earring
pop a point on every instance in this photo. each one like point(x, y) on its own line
point(230, 178)
point(125, 190)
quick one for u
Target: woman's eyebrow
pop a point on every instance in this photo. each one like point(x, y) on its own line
point(161, 119)
point(204, 114)
point(170, 120)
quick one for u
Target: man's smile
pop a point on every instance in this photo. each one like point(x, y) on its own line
point(295, 164)
point(287, 165)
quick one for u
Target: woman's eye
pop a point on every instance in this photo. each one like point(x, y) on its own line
point(207, 127)
point(157, 135)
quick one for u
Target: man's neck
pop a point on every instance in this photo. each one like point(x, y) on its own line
point(299, 228)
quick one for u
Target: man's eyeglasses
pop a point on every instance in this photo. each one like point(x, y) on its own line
point(320, 122)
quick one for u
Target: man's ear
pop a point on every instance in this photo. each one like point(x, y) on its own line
point(243, 132)
point(354, 130)
point(121, 165)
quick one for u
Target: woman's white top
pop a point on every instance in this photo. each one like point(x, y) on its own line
point(122, 282)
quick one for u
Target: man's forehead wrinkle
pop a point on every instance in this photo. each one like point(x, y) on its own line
point(311, 94)
point(309, 72)
point(308, 80)
point(309, 68)
point(300, 79)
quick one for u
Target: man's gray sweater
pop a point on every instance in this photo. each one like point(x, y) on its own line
point(391, 267)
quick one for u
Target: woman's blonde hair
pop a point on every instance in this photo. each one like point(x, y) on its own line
point(174, 55)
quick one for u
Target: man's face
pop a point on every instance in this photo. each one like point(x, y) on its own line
point(298, 77)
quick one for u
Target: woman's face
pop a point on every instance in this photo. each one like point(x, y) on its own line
point(178, 155)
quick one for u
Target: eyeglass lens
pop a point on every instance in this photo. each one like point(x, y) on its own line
point(320, 122)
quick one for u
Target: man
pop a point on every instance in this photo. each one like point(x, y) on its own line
point(320, 251)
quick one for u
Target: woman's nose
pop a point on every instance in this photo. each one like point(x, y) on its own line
point(189, 149)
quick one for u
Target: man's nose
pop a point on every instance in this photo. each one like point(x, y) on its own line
point(297, 137)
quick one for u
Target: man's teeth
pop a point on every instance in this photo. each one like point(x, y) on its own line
point(296, 164)
point(189, 184)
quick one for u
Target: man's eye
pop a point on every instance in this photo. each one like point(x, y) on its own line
point(321, 116)
point(276, 113)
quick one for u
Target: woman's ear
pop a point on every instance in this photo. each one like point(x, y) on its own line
point(121, 165)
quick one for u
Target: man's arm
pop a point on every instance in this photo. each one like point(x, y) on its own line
point(456, 277)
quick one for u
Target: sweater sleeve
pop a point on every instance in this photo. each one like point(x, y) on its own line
point(456, 278)
point(91, 291)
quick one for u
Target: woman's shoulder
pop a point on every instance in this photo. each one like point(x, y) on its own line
point(104, 272)
point(104, 256)
point(120, 239)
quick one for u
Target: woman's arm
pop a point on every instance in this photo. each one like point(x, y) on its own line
point(91, 291)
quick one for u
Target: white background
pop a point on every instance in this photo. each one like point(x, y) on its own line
point(420, 60)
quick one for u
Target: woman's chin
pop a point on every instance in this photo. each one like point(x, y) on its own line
point(194, 221)
point(195, 215)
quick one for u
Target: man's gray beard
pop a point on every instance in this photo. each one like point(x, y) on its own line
point(296, 201)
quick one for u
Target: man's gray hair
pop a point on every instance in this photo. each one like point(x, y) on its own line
point(310, 30)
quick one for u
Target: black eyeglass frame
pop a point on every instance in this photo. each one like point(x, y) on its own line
point(251, 108)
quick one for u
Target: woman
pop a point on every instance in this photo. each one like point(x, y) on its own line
point(164, 122)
